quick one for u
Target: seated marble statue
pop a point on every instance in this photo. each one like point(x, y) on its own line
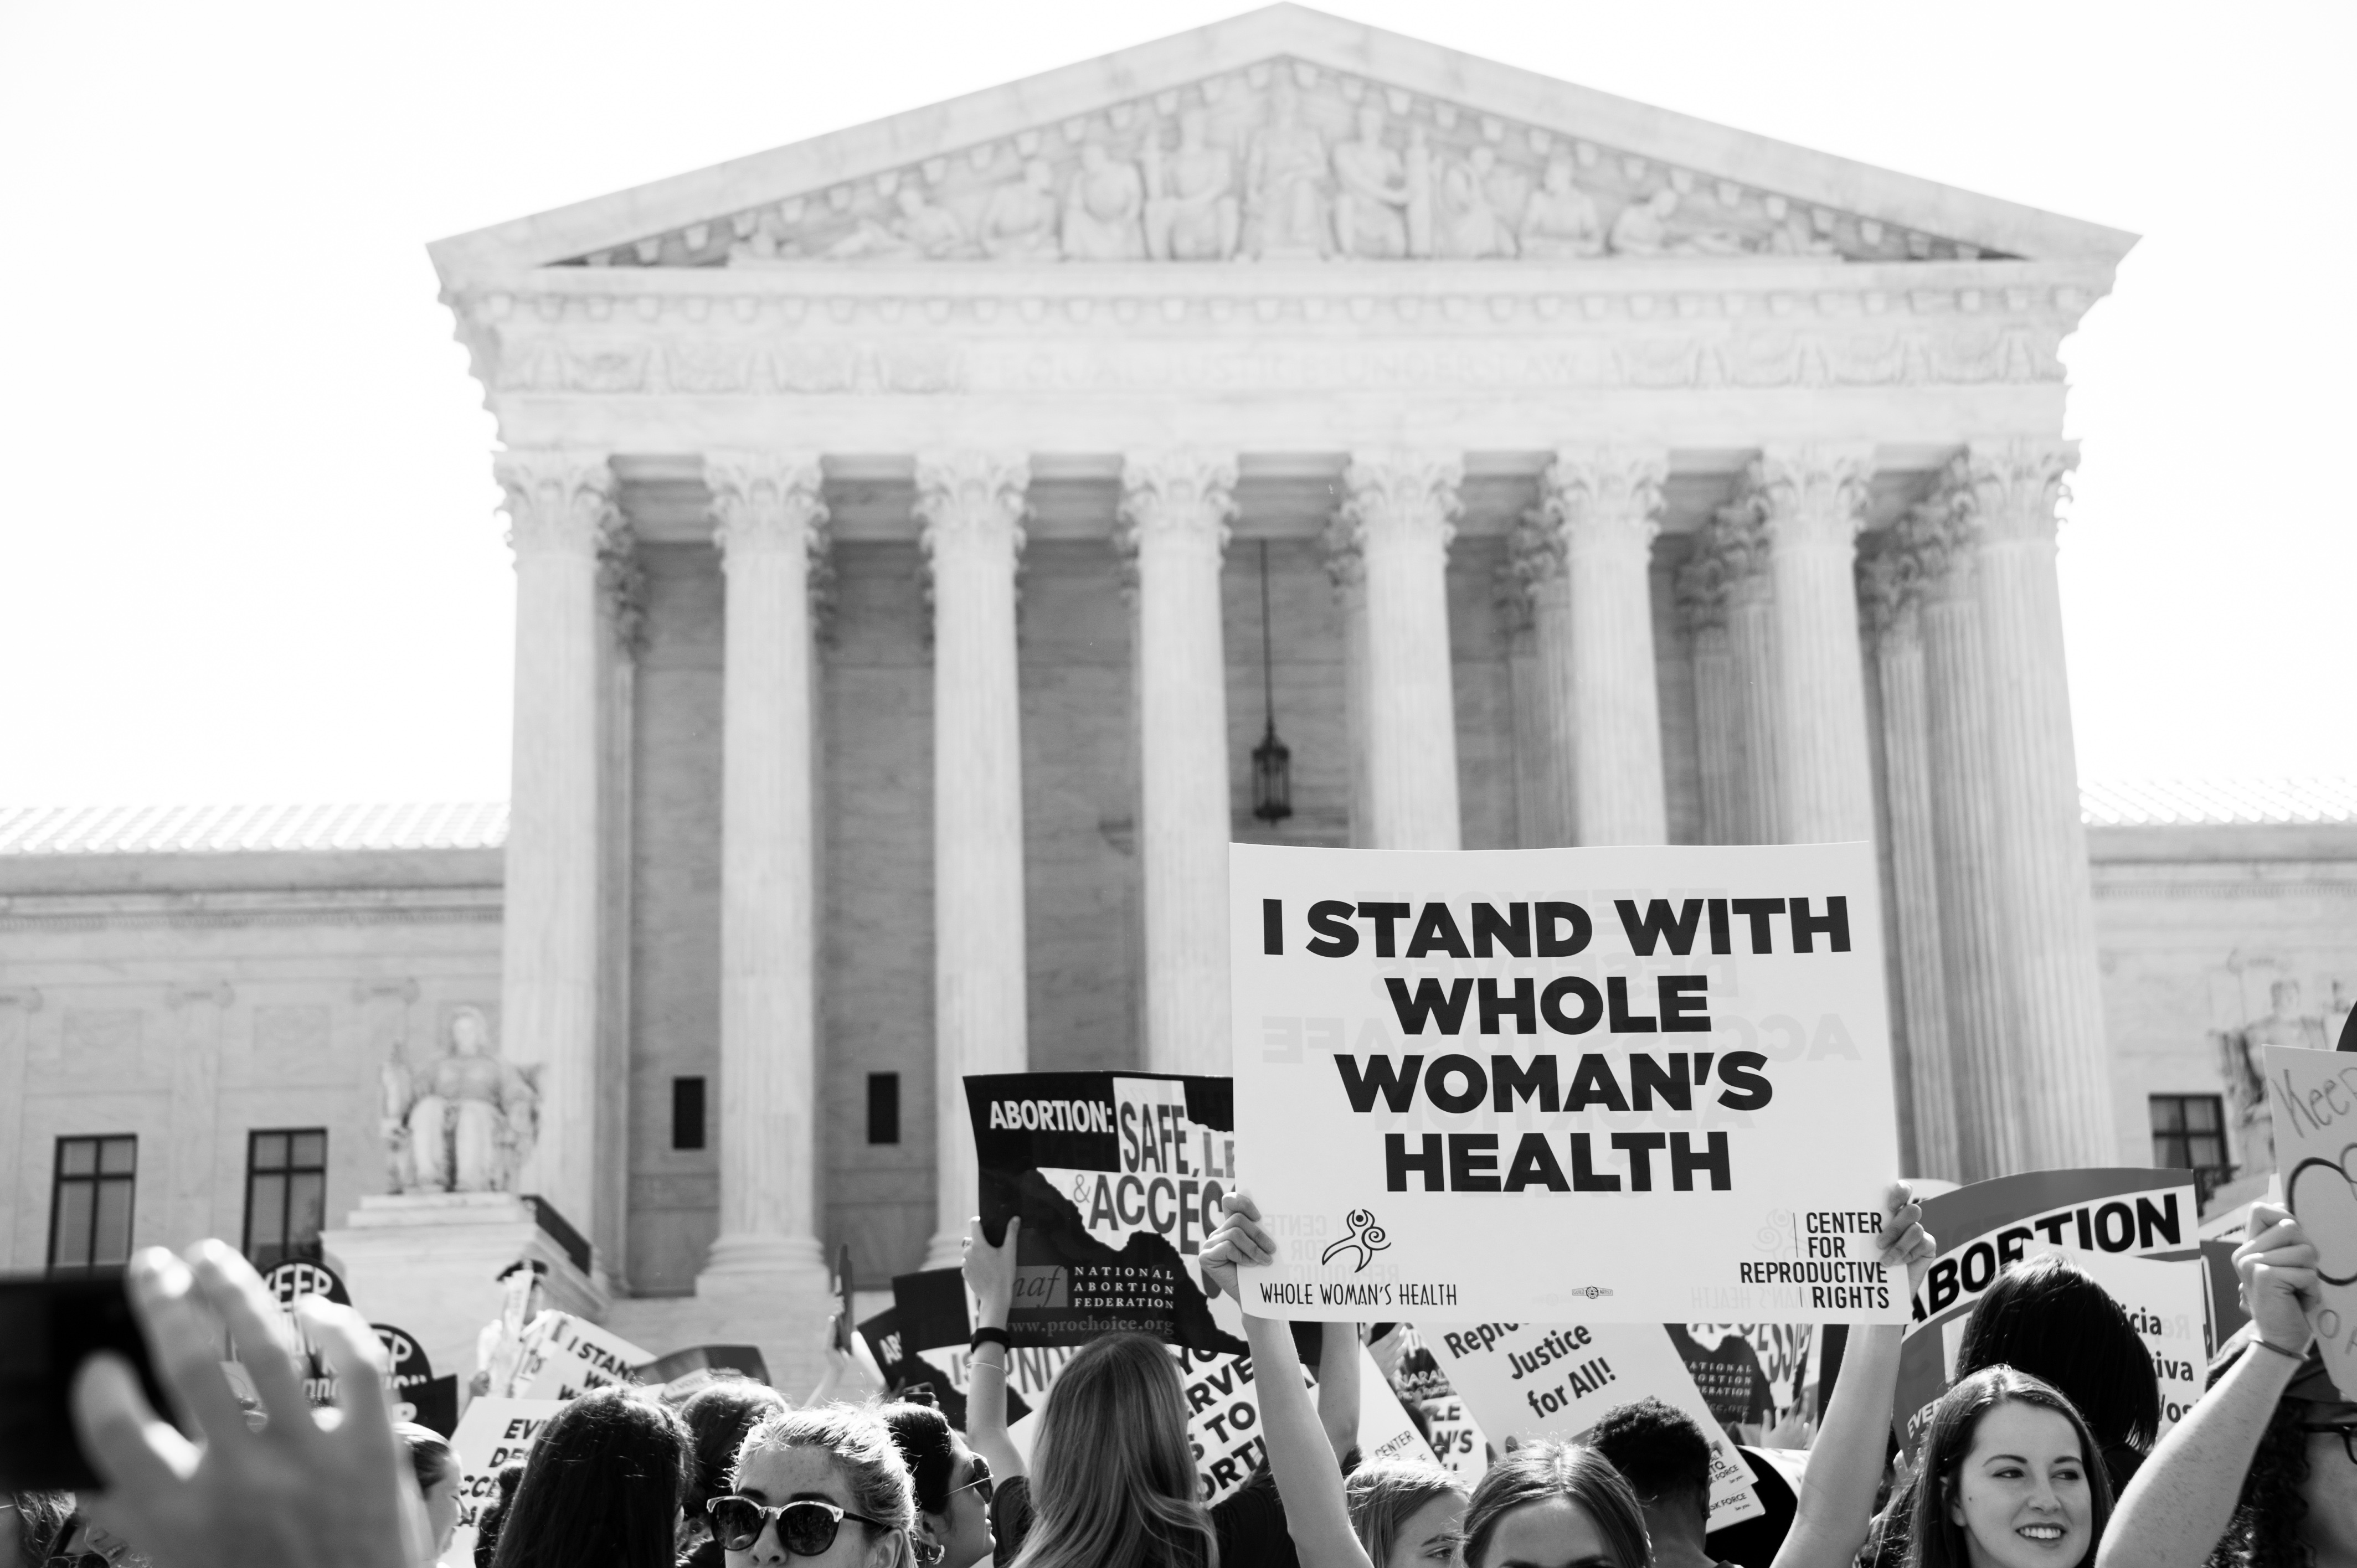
point(1371, 193)
point(1560, 221)
point(466, 1120)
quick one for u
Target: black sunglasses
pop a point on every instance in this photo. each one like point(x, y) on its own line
point(980, 1484)
point(2344, 1430)
point(806, 1529)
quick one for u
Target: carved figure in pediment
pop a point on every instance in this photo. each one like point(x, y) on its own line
point(466, 1120)
point(1192, 212)
point(1418, 165)
point(1794, 237)
point(1643, 229)
point(1019, 223)
point(1102, 211)
point(1284, 177)
point(1472, 226)
point(1560, 223)
point(1371, 193)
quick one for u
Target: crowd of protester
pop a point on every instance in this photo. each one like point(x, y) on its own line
point(2041, 1454)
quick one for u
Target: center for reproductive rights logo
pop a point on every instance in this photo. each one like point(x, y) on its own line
point(1365, 1240)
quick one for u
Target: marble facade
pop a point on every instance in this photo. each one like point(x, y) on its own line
point(887, 669)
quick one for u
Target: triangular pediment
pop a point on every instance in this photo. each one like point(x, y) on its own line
point(1284, 134)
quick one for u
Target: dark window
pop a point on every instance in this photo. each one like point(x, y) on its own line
point(687, 1113)
point(286, 1194)
point(883, 1107)
point(90, 1204)
point(2189, 1133)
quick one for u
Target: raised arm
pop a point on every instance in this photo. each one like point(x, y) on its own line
point(1301, 1451)
point(1337, 1387)
point(990, 1274)
point(1836, 1501)
point(2184, 1497)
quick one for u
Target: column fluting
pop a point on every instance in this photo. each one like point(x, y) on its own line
point(1815, 500)
point(1605, 503)
point(1403, 506)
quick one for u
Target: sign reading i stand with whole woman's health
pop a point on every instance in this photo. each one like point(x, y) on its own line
point(1605, 1085)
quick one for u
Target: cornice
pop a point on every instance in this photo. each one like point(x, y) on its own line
point(61, 913)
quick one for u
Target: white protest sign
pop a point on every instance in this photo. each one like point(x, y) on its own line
point(1678, 1056)
point(1222, 1420)
point(1385, 1430)
point(1561, 1378)
point(2168, 1305)
point(565, 1356)
point(491, 1436)
point(1457, 1439)
point(2312, 1098)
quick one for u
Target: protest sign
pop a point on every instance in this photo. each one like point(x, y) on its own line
point(565, 1356)
point(416, 1394)
point(1560, 1379)
point(1222, 1420)
point(1385, 1429)
point(2165, 1304)
point(2312, 1098)
point(1982, 1228)
point(1118, 1179)
point(491, 1436)
point(1442, 1058)
point(1456, 1438)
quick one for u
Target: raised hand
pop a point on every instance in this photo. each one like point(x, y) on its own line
point(1239, 1240)
point(2277, 1265)
point(1902, 1240)
point(313, 1488)
point(990, 1271)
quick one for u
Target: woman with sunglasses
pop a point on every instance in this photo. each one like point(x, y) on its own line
point(818, 1488)
point(953, 1487)
point(2262, 1472)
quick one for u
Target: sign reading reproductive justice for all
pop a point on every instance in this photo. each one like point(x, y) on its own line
point(1609, 1085)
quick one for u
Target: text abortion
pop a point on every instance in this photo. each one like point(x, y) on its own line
point(1569, 1004)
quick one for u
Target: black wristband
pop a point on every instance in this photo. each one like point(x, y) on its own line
point(983, 1336)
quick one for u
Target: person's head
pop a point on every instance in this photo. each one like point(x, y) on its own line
point(470, 1031)
point(1558, 175)
point(1561, 1504)
point(32, 1526)
point(1113, 1475)
point(2010, 1477)
point(602, 1486)
point(435, 1466)
point(2046, 1317)
point(494, 1516)
point(834, 1456)
point(718, 1416)
point(953, 1483)
point(1665, 1459)
point(1407, 1512)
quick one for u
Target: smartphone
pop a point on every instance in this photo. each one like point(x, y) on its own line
point(47, 1327)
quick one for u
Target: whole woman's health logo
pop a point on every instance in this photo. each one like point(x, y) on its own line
point(1365, 1240)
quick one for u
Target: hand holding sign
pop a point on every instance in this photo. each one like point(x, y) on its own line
point(990, 1271)
point(2277, 1265)
point(1239, 1240)
point(1902, 1239)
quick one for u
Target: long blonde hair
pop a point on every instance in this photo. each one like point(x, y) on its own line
point(1112, 1476)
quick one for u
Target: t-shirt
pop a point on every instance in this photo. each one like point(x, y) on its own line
point(1249, 1523)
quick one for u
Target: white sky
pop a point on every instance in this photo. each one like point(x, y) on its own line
point(251, 550)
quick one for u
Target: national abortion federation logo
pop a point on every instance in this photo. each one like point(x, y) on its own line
point(1365, 1240)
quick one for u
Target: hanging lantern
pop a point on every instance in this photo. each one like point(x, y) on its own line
point(1272, 759)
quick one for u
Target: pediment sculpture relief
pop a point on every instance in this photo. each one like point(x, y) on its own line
point(1285, 161)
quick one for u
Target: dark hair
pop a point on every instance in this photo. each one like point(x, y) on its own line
point(2048, 1317)
point(2264, 1531)
point(922, 1435)
point(42, 1520)
point(1935, 1541)
point(1536, 1471)
point(494, 1516)
point(430, 1458)
point(718, 1416)
point(601, 1489)
point(1659, 1451)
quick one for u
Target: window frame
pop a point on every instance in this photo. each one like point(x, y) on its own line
point(286, 1171)
point(98, 1179)
point(2207, 1176)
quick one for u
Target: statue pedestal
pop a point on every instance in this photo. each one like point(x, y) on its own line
point(778, 1305)
point(429, 1263)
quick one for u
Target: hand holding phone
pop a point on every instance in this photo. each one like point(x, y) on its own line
point(48, 1326)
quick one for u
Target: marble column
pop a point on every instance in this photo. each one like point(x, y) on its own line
point(1941, 535)
point(1606, 502)
point(1815, 498)
point(971, 508)
point(1401, 506)
point(1346, 569)
point(1736, 539)
point(17, 1003)
point(1175, 508)
point(1702, 601)
point(769, 522)
point(1533, 723)
point(560, 506)
point(194, 1205)
point(1537, 558)
point(2043, 887)
point(1890, 601)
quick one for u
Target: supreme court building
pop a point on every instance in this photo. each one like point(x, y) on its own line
point(893, 517)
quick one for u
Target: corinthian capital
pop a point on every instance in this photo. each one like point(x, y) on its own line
point(1732, 547)
point(971, 498)
point(764, 501)
point(1402, 495)
point(2015, 483)
point(1700, 588)
point(1182, 496)
point(1940, 533)
point(1889, 589)
point(1814, 494)
point(559, 501)
point(1534, 549)
point(1605, 496)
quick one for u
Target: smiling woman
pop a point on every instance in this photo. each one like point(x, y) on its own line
point(2012, 1478)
